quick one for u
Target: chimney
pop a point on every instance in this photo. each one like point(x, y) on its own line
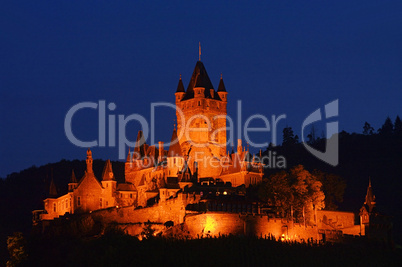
point(239, 148)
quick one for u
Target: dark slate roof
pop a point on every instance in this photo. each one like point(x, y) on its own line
point(221, 87)
point(140, 145)
point(200, 78)
point(180, 87)
point(174, 148)
point(52, 189)
point(106, 171)
point(126, 187)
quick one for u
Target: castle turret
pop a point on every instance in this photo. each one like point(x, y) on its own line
point(222, 91)
point(139, 149)
point(109, 183)
point(89, 161)
point(73, 182)
point(180, 92)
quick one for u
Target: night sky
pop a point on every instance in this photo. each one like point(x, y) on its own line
point(278, 57)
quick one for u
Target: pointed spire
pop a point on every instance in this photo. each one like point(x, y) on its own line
point(370, 197)
point(107, 174)
point(73, 178)
point(129, 155)
point(221, 87)
point(139, 145)
point(199, 51)
point(180, 86)
point(52, 189)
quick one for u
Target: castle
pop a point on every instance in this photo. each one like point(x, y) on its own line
point(197, 153)
point(187, 183)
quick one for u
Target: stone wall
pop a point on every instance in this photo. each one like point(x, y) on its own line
point(221, 223)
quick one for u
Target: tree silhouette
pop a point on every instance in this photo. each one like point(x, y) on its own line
point(333, 188)
point(398, 127)
point(387, 128)
point(297, 189)
point(288, 137)
point(367, 129)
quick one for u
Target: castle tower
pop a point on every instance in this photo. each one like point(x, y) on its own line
point(367, 210)
point(73, 182)
point(108, 183)
point(201, 121)
point(89, 161)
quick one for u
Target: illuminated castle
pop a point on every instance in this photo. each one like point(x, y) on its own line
point(197, 154)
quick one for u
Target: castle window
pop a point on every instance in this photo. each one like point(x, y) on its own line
point(79, 201)
point(107, 203)
point(100, 202)
point(107, 185)
point(66, 203)
point(131, 195)
point(199, 103)
point(54, 207)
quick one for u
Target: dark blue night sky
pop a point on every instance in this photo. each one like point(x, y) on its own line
point(278, 57)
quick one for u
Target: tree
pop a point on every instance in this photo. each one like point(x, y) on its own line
point(148, 232)
point(367, 129)
point(333, 187)
point(312, 136)
point(16, 248)
point(296, 190)
point(288, 137)
point(387, 128)
point(398, 127)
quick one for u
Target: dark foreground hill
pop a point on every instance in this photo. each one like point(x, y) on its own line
point(116, 249)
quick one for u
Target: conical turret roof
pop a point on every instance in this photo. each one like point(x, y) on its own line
point(107, 174)
point(180, 87)
point(52, 189)
point(221, 87)
point(140, 145)
point(73, 178)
